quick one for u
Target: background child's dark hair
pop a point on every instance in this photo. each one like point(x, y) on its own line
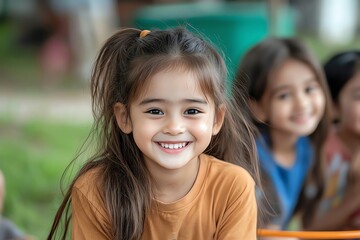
point(339, 69)
point(253, 76)
point(120, 73)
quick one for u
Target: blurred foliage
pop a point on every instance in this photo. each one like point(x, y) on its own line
point(33, 156)
point(325, 50)
point(17, 64)
point(20, 66)
point(33, 153)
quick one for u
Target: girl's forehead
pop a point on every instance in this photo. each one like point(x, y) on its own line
point(354, 81)
point(292, 72)
point(172, 81)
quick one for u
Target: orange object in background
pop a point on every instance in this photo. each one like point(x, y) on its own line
point(310, 234)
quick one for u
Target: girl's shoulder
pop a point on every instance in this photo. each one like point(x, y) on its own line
point(89, 212)
point(225, 172)
point(228, 183)
point(90, 182)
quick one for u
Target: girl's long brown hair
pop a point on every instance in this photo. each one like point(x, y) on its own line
point(252, 78)
point(120, 73)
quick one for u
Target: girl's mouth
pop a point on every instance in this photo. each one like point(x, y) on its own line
point(173, 145)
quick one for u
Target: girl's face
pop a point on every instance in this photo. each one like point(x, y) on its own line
point(293, 102)
point(348, 107)
point(172, 121)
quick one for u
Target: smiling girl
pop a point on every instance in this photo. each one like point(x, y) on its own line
point(164, 121)
point(289, 99)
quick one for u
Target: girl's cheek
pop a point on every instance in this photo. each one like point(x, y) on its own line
point(353, 112)
point(203, 127)
point(321, 102)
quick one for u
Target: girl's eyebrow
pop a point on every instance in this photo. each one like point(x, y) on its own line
point(160, 100)
point(280, 88)
point(310, 80)
point(355, 89)
point(286, 86)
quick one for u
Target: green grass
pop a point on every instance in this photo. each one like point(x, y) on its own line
point(33, 156)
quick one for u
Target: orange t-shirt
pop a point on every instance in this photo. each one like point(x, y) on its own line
point(220, 205)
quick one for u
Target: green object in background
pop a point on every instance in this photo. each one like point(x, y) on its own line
point(4, 8)
point(284, 25)
point(232, 27)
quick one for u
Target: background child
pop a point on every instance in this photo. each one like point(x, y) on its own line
point(163, 119)
point(339, 207)
point(287, 92)
point(7, 229)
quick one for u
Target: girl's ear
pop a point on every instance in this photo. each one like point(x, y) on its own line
point(257, 111)
point(219, 119)
point(122, 118)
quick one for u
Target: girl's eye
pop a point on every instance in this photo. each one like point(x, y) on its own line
point(155, 112)
point(309, 89)
point(192, 111)
point(356, 96)
point(312, 86)
point(283, 96)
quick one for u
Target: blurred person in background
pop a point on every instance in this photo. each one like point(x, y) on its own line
point(88, 24)
point(289, 103)
point(339, 207)
point(68, 34)
point(8, 231)
point(56, 57)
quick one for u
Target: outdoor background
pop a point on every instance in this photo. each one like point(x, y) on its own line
point(47, 48)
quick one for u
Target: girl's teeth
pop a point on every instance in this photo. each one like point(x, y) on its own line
point(173, 146)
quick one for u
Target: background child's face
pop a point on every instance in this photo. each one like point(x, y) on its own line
point(348, 107)
point(173, 121)
point(294, 101)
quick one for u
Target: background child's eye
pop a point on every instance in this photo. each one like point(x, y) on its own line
point(356, 96)
point(309, 89)
point(314, 85)
point(192, 111)
point(283, 96)
point(155, 112)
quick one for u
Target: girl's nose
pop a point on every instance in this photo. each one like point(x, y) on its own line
point(174, 126)
point(301, 100)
